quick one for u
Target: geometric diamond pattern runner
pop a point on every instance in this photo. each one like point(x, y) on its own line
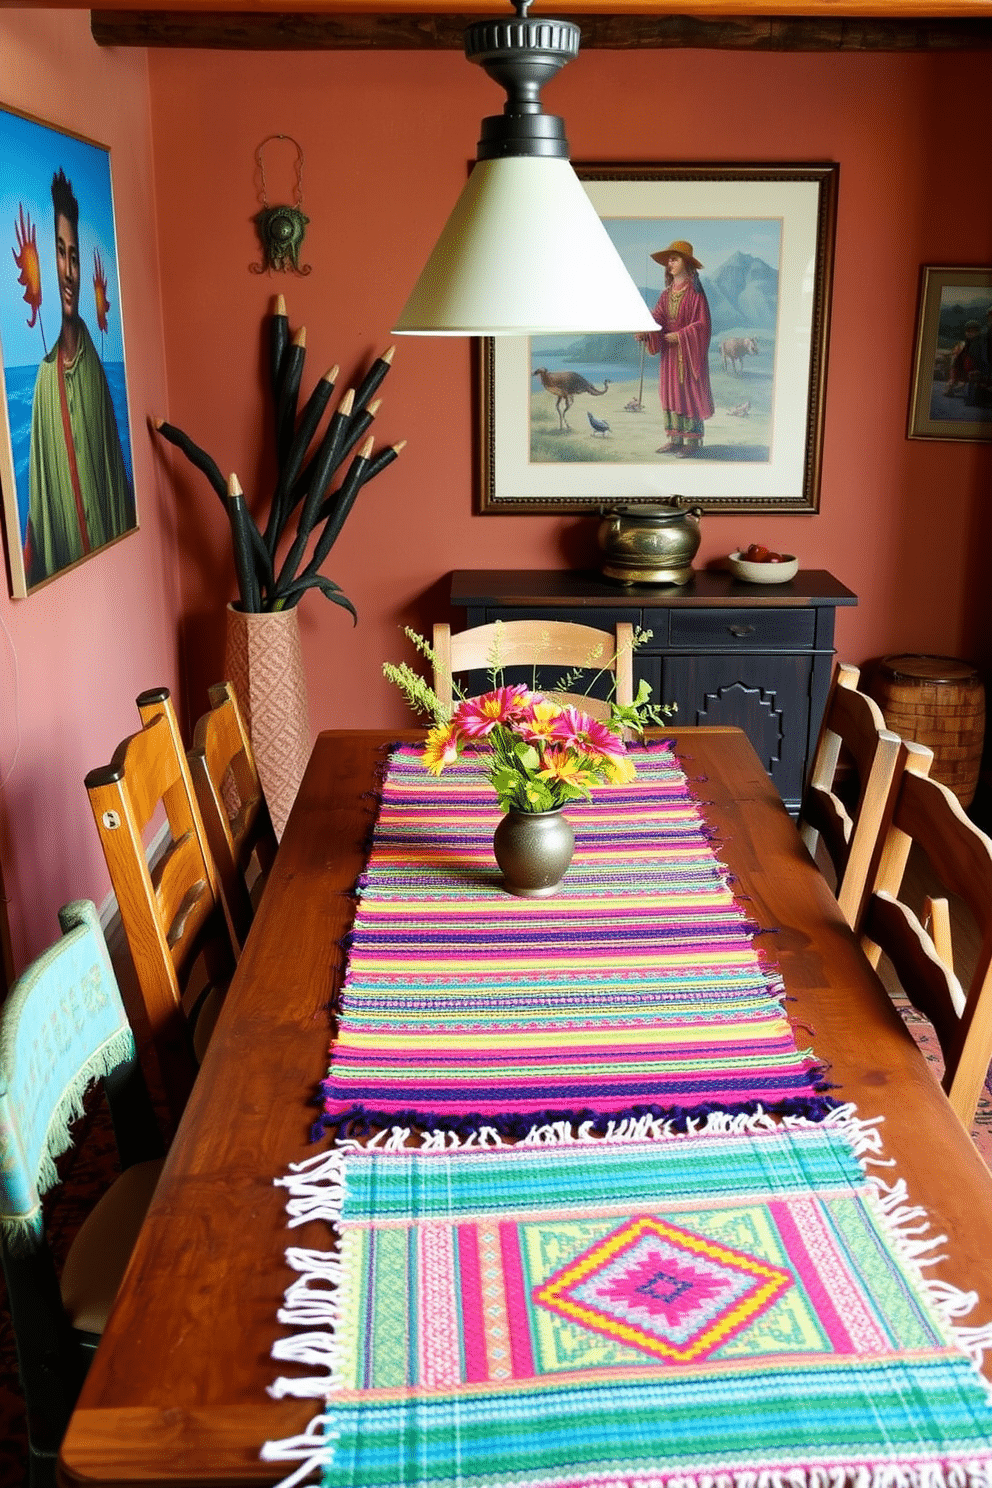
point(663, 1289)
point(728, 1309)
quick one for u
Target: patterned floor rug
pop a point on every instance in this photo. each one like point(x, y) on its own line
point(926, 1041)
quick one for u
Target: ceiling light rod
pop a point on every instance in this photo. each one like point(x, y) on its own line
point(521, 55)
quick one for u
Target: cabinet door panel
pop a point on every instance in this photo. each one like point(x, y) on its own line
point(766, 696)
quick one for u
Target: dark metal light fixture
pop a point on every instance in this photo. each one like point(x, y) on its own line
point(523, 251)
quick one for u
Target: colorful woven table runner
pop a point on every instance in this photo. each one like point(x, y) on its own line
point(636, 989)
point(704, 1311)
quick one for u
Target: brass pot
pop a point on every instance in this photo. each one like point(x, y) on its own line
point(650, 544)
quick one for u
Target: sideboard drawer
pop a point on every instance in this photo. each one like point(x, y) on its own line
point(755, 629)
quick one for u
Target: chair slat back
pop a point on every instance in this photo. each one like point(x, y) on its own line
point(232, 804)
point(926, 813)
point(171, 913)
point(853, 734)
point(537, 643)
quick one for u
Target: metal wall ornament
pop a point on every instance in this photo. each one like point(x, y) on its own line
point(281, 229)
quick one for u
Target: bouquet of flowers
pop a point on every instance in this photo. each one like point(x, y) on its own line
point(539, 754)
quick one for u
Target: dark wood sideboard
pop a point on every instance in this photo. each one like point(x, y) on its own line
point(755, 656)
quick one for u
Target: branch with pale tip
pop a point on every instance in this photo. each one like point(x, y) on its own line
point(307, 462)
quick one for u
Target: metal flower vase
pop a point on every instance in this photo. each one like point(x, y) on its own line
point(534, 849)
point(264, 663)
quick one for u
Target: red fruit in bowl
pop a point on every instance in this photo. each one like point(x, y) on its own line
point(774, 558)
point(756, 553)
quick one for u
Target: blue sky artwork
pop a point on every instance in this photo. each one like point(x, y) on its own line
point(31, 153)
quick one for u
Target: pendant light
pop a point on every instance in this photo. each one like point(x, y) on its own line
point(524, 251)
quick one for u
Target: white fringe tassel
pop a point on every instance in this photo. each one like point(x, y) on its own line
point(313, 1303)
point(313, 1449)
point(316, 1188)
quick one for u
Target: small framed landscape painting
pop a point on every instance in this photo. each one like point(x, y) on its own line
point(951, 394)
point(724, 404)
point(66, 470)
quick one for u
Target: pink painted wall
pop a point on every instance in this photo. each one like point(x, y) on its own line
point(386, 138)
point(75, 654)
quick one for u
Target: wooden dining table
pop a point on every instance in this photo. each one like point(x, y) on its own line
point(176, 1393)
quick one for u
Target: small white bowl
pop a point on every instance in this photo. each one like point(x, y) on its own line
point(763, 573)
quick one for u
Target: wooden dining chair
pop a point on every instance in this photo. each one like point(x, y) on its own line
point(232, 804)
point(849, 789)
point(928, 818)
point(62, 1026)
point(539, 644)
point(171, 909)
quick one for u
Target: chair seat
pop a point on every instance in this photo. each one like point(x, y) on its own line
point(99, 1255)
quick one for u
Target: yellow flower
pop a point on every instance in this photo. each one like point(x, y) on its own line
point(537, 722)
point(562, 764)
point(441, 748)
point(618, 769)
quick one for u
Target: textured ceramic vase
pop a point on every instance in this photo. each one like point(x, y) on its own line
point(264, 663)
point(534, 849)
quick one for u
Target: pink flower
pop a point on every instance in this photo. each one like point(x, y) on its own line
point(476, 717)
point(588, 734)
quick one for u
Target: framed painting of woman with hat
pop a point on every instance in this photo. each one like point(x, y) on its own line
point(723, 402)
point(682, 343)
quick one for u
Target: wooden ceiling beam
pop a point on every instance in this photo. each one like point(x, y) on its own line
point(309, 30)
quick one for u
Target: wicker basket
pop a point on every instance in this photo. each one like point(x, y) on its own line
point(940, 702)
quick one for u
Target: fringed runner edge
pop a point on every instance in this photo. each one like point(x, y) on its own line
point(358, 1122)
point(315, 1189)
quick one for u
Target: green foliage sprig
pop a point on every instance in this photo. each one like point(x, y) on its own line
point(307, 465)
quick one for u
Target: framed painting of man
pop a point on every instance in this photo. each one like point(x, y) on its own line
point(66, 468)
point(951, 394)
point(723, 405)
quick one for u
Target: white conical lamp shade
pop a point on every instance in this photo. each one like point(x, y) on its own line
point(523, 253)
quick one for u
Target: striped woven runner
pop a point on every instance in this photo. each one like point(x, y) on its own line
point(637, 989)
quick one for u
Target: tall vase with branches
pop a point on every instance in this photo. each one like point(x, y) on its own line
point(323, 464)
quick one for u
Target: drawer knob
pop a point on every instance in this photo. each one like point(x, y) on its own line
point(741, 630)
